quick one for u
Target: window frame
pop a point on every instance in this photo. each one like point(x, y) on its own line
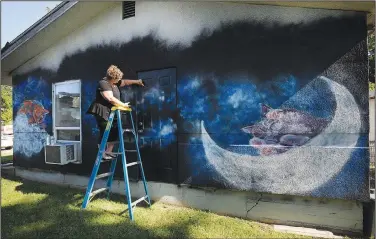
point(56, 128)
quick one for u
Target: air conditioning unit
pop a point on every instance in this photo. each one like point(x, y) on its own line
point(61, 153)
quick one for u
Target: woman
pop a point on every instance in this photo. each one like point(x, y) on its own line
point(108, 95)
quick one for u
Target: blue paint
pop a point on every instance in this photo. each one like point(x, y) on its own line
point(34, 88)
point(278, 90)
point(88, 96)
point(29, 138)
point(235, 104)
point(355, 173)
point(193, 100)
point(197, 161)
point(155, 98)
point(164, 129)
point(317, 103)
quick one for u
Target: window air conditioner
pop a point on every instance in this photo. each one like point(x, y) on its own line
point(61, 153)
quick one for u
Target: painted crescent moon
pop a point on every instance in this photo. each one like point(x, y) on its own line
point(299, 170)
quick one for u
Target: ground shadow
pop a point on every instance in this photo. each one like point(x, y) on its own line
point(58, 215)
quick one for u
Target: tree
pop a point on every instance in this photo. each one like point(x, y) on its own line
point(6, 104)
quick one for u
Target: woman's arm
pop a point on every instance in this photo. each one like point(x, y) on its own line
point(108, 95)
point(125, 82)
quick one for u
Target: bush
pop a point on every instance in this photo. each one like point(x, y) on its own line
point(6, 104)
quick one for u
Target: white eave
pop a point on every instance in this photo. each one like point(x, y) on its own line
point(357, 6)
point(69, 16)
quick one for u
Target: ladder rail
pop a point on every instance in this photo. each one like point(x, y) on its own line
point(124, 163)
point(139, 159)
point(115, 112)
point(98, 161)
point(110, 179)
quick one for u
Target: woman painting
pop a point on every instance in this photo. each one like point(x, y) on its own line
point(108, 95)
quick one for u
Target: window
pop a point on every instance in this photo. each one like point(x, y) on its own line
point(66, 109)
point(129, 9)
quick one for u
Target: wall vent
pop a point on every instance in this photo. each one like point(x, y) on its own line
point(129, 9)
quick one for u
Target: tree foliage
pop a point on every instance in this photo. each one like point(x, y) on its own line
point(6, 104)
point(371, 56)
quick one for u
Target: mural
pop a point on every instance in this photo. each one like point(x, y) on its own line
point(275, 168)
point(267, 99)
point(281, 129)
point(166, 130)
point(34, 111)
point(31, 118)
point(88, 96)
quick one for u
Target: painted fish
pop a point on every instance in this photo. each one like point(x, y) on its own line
point(281, 129)
point(34, 111)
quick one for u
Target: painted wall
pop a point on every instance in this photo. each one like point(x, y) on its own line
point(266, 99)
point(372, 119)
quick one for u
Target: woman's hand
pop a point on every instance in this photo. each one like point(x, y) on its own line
point(108, 95)
point(140, 82)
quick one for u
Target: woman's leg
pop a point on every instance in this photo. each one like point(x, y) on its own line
point(110, 147)
point(113, 137)
point(102, 123)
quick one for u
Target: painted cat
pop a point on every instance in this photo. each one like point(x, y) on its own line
point(281, 129)
point(34, 111)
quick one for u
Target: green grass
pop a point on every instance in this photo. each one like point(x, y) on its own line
point(6, 157)
point(37, 210)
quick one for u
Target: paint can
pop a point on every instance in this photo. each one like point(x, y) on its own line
point(52, 140)
point(48, 140)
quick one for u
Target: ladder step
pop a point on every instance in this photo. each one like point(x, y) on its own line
point(98, 191)
point(139, 200)
point(126, 150)
point(107, 160)
point(131, 164)
point(103, 175)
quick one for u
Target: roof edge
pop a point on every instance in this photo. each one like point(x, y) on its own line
point(51, 16)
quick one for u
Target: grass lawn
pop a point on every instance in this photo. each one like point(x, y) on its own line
point(37, 210)
point(6, 156)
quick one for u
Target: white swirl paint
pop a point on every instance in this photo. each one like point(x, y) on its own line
point(29, 139)
point(172, 23)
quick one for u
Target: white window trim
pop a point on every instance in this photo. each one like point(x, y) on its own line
point(55, 128)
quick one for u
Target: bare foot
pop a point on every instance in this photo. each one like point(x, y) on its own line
point(106, 156)
point(110, 154)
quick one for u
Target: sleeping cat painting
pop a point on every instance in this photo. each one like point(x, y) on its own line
point(281, 129)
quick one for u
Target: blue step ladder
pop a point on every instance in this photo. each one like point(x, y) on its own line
point(116, 110)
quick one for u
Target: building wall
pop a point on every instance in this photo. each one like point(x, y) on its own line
point(257, 98)
point(372, 119)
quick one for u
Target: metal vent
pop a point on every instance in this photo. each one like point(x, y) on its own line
point(129, 9)
point(70, 153)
